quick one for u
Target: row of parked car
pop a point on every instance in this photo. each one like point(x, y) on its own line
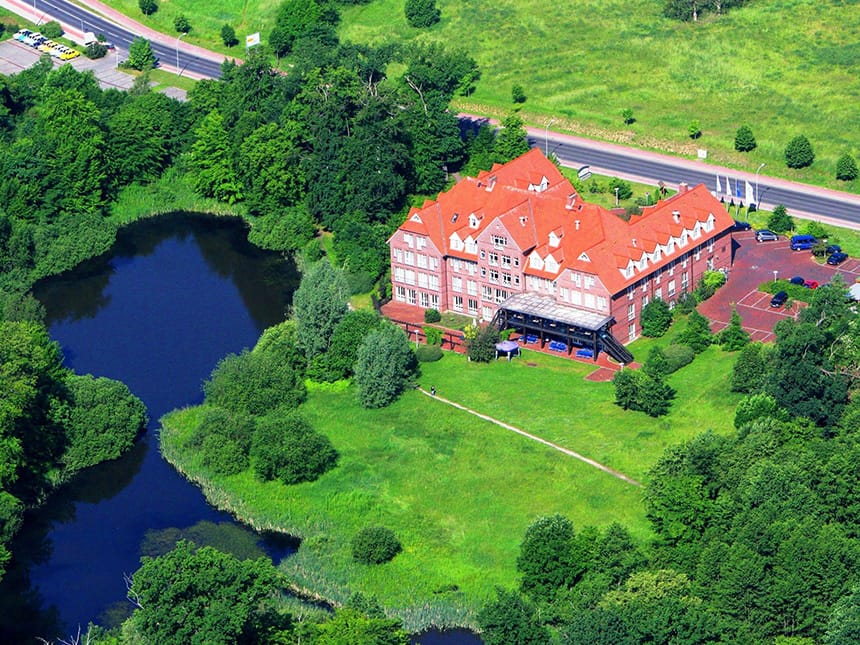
point(37, 40)
point(833, 252)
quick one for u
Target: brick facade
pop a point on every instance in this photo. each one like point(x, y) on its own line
point(521, 227)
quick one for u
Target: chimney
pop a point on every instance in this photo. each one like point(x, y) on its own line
point(491, 183)
point(523, 220)
point(682, 188)
point(571, 199)
point(676, 215)
point(576, 222)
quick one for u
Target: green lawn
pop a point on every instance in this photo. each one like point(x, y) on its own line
point(458, 491)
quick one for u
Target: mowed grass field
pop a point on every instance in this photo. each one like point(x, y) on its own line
point(459, 491)
point(785, 67)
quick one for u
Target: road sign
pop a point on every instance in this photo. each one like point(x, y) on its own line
point(252, 39)
point(584, 173)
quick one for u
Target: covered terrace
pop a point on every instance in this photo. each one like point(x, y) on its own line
point(542, 320)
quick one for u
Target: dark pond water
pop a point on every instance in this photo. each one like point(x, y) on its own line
point(174, 296)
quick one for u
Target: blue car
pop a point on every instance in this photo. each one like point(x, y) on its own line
point(837, 258)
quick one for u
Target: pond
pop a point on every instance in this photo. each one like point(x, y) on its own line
point(175, 294)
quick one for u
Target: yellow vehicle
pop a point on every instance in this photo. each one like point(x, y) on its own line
point(46, 46)
point(69, 54)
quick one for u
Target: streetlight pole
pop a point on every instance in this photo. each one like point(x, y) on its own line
point(775, 273)
point(178, 38)
point(616, 197)
point(756, 184)
point(546, 138)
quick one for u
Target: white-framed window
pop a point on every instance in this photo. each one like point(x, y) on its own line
point(576, 278)
point(399, 274)
point(487, 313)
point(398, 255)
point(631, 331)
point(698, 254)
point(589, 281)
point(499, 241)
point(458, 303)
point(493, 259)
point(501, 295)
point(422, 260)
point(424, 299)
point(410, 296)
point(516, 279)
point(658, 275)
point(645, 286)
point(576, 297)
point(670, 288)
point(645, 301)
point(601, 303)
point(631, 311)
point(400, 294)
point(473, 306)
point(684, 281)
point(506, 261)
point(409, 239)
point(564, 293)
point(516, 262)
point(494, 276)
point(487, 292)
point(483, 254)
point(434, 282)
point(472, 288)
point(658, 294)
point(506, 279)
point(630, 291)
point(420, 242)
point(483, 272)
point(434, 300)
point(409, 258)
point(456, 284)
point(434, 262)
point(422, 280)
point(710, 246)
point(590, 300)
point(409, 276)
point(455, 265)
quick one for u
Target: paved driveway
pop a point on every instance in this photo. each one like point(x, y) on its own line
point(755, 263)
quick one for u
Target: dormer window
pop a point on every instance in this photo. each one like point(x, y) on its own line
point(473, 221)
point(554, 239)
point(455, 217)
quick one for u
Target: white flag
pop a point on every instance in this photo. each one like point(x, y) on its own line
point(728, 188)
point(719, 188)
point(750, 193)
point(252, 39)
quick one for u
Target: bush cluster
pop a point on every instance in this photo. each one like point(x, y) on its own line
point(428, 353)
point(375, 545)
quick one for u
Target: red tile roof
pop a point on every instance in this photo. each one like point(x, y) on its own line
point(511, 194)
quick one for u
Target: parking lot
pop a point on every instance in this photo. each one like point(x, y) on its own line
point(16, 56)
point(755, 263)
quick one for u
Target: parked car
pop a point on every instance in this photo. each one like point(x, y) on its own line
point(765, 235)
point(779, 299)
point(21, 34)
point(797, 280)
point(837, 258)
point(811, 284)
point(832, 248)
point(741, 226)
point(802, 242)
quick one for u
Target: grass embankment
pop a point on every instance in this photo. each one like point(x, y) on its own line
point(458, 491)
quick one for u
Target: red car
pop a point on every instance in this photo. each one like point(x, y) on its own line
point(810, 284)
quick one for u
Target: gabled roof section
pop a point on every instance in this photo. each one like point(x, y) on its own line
point(586, 237)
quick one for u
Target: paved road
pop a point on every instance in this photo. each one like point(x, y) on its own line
point(798, 198)
point(74, 17)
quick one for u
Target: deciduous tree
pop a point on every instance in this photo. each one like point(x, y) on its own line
point(656, 318)
point(511, 140)
point(421, 13)
point(319, 304)
point(211, 162)
point(546, 560)
point(384, 366)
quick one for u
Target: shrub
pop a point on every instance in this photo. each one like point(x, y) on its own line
point(638, 390)
point(421, 13)
point(656, 318)
point(799, 153)
point(52, 29)
point(744, 139)
point(625, 190)
point(359, 282)
point(815, 229)
point(482, 348)
point(627, 115)
point(286, 447)
point(11, 27)
point(223, 456)
point(708, 285)
point(677, 356)
point(384, 367)
point(375, 545)
point(518, 95)
point(147, 7)
point(694, 129)
point(181, 24)
point(433, 335)
point(428, 353)
point(686, 303)
point(432, 316)
point(96, 50)
point(846, 168)
point(780, 221)
point(697, 335)
point(228, 36)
